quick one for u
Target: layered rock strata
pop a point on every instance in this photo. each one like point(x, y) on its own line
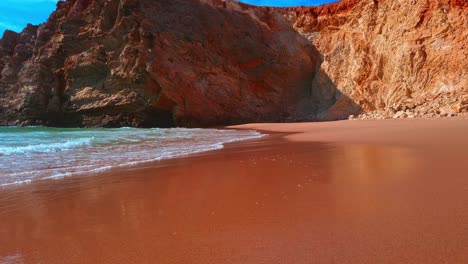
point(390, 56)
point(156, 63)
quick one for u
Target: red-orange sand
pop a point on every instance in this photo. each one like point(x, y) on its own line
point(338, 192)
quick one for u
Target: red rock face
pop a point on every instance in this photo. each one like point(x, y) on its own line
point(159, 63)
point(392, 56)
point(215, 62)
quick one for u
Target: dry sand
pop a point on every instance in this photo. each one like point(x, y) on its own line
point(337, 192)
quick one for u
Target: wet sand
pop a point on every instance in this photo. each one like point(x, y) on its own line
point(337, 192)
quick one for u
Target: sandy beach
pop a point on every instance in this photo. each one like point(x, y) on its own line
point(390, 191)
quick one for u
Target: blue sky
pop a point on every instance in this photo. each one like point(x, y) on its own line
point(15, 14)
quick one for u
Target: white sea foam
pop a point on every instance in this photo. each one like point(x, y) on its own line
point(28, 154)
point(51, 147)
point(15, 182)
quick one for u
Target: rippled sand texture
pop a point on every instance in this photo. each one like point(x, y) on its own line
point(343, 192)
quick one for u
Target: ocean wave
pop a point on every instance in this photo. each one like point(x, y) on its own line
point(72, 152)
point(46, 148)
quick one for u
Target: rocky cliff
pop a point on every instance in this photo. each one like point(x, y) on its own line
point(160, 63)
point(157, 63)
point(393, 58)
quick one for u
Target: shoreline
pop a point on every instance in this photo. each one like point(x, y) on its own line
point(332, 131)
point(143, 165)
point(150, 147)
point(347, 192)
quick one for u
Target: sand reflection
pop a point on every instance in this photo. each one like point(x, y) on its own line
point(268, 201)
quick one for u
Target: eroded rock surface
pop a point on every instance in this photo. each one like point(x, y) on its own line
point(392, 55)
point(150, 63)
point(157, 63)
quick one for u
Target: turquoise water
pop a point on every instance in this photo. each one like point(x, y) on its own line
point(34, 153)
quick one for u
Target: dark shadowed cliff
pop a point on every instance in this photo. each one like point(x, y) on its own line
point(157, 63)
